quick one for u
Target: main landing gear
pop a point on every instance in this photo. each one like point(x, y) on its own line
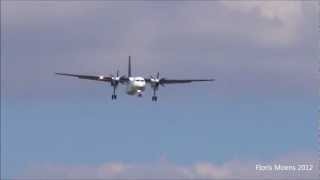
point(114, 96)
point(155, 97)
point(155, 82)
point(115, 80)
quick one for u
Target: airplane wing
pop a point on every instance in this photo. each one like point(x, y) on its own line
point(96, 78)
point(178, 81)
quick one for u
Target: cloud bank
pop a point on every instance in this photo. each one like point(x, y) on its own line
point(284, 20)
point(271, 43)
point(165, 169)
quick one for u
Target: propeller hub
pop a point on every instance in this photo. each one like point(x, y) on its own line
point(155, 81)
point(116, 79)
point(101, 77)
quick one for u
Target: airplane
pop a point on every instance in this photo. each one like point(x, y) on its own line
point(135, 85)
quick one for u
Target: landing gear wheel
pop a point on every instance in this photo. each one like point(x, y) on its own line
point(154, 98)
point(113, 97)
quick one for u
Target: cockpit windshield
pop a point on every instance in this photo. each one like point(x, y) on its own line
point(139, 80)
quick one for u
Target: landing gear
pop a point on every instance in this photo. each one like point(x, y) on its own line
point(115, 80)
point(154, 98)
point(114, 97)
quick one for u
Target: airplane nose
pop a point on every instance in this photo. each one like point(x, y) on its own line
point(141, 87)
point(141, 84)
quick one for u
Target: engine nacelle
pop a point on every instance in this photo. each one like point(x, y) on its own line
point(115, 81)
point(154, 82)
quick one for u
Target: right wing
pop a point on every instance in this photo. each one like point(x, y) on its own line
point(96, 78)
point(178, 81)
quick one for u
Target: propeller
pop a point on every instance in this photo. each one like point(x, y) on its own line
point(116, 79)
point(156, 81)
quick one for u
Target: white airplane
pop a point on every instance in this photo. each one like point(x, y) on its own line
point(135, 84)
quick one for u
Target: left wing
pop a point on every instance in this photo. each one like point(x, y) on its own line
point(88, 77)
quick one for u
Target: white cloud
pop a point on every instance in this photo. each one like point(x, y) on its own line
point(211, 170)
point(29, 14)
point(232, 169)
point(97, 37)
point(285, 15)
point(111, 169)
point(277, 23)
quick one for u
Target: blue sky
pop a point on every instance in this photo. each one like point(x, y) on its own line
point(262, 107)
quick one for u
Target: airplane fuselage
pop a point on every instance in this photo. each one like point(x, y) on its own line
point(136, 86)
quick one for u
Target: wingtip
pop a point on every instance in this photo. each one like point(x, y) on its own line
point(62, 74)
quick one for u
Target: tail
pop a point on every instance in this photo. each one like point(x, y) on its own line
point(129, 67)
